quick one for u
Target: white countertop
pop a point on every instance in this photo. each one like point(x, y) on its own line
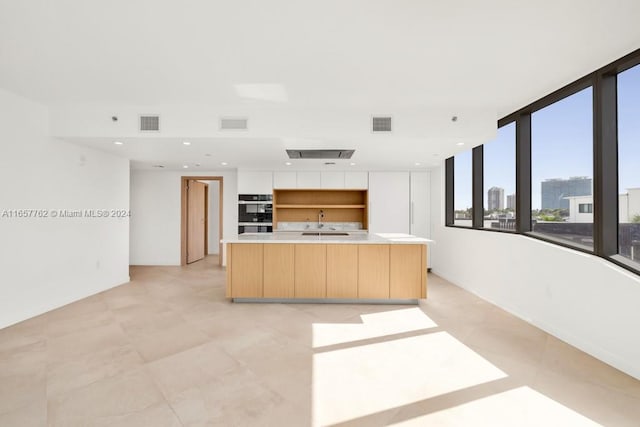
point(352, 238)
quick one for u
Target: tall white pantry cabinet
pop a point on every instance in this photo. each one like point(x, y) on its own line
point(420, 207)
point(399, 203)
point(389, 202)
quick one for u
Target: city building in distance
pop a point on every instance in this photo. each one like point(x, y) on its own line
point(511, 202)
point(495, 199)
point(555, 192)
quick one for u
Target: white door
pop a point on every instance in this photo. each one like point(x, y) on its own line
point(420, 208)
point(389, 202)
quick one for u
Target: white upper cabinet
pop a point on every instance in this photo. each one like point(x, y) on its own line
point(389, 202)
point(284, 180)
point(331, 179)
point(251, 182)
point(316, 180)
point(420, 213)
point(356, 180)
point(308, 180)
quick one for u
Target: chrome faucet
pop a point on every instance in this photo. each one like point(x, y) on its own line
point(320, 216)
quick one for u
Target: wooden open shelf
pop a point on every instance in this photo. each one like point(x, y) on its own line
point(321, 206)
point(304, 206)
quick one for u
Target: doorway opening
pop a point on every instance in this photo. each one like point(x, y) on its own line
point(196, 212)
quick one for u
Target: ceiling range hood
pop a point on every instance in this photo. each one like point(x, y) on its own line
point(320, 154)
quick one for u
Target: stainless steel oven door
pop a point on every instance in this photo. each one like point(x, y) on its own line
point(255, 228)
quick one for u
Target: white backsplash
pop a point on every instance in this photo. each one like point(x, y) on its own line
point(312, 225)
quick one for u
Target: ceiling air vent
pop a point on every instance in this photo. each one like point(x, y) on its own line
point(149, 123)
point(381, 124)
point(320, 154)
point(234, 123)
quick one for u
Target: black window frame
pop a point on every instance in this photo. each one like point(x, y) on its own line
point(605, 165)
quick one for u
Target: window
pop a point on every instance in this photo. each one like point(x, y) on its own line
point(628, 161)
point(500, 180)
point(548, 151)
point(462, 167)
point(562, 169)
point(585, 208)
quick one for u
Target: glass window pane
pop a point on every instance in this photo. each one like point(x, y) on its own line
point(562, 169)
point(462, 181)
point(628, 163)
point(500, 180)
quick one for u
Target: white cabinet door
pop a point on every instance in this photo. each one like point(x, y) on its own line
point(356, 180)
point(308, 180)
point(284, 180)
point(250, 182)
point(420, 208)
point(389, 202)
point(332, 179)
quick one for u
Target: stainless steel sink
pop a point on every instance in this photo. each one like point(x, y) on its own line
point(324, 233)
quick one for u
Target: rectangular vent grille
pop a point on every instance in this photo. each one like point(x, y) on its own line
point(320, 154)
point(149, 123)
point(381, 124)
point(234, 123)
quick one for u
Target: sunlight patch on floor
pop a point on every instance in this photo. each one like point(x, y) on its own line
point(521, 406)
point(358, 381)
point(373, 326)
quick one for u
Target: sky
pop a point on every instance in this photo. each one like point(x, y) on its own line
point(561, 146)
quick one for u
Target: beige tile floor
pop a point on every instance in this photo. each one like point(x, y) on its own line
point(167, 349)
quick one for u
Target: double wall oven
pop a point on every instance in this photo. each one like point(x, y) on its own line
point(255, 213)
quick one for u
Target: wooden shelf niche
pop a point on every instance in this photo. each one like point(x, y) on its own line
point(304, 205)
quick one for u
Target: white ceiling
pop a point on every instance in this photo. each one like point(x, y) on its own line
point(367, 55)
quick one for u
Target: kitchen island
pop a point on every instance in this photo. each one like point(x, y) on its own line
point(354, 267)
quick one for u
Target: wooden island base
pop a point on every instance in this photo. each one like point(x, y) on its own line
point(331, 272)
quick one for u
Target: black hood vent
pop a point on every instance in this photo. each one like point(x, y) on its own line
point(320, 154)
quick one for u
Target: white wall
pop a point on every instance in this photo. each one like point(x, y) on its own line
point(581, 299)
point(343, 123)
point(214, 217)
point(49, 262)
point(155, 214)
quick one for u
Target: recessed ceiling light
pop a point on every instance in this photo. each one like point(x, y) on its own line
point(352, 164)
point(186, 143)
point(224, 163)
point(118, 142)
point(460, 143)
point(418, 163)
point(185, 166)
point(454, 118)
point(287, 163)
